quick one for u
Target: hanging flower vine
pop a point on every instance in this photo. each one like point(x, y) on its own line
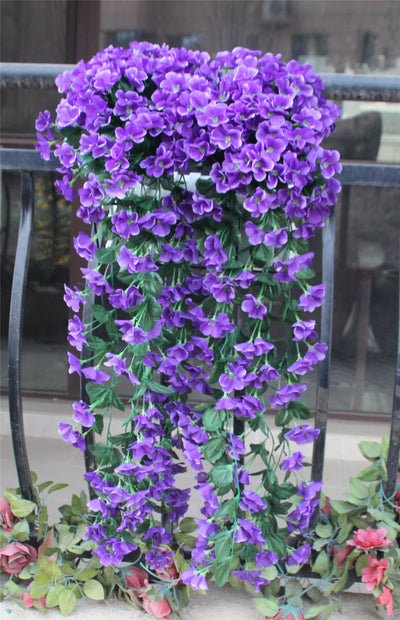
point(203, 180)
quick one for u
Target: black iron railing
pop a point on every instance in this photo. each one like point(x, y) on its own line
point(338, 87)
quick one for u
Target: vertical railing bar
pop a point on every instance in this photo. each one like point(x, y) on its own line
point(14, 336)
point(394, 445)
point(87, 318)
point(321, 415)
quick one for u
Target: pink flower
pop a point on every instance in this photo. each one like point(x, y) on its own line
point(168, 572)
point(386, 598)
point(137, 578)
point(341, 554)
point(28, 600)
point(370, 539)
point(159, 609)
point(373, 576)
point(7, 519)
point(15, 556)
point(327, 506)
point(286, 614)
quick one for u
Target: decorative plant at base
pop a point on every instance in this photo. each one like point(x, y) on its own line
point(360, 534)
point(203, 181)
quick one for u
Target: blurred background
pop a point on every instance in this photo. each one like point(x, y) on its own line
point(335, 36)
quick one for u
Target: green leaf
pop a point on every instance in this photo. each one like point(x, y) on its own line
point(285, 490)
point(268, 607)
point(212, 419)
point(341, 507)
point(53, 594)
point(151, 283)
point(85, 574)
point(361, 562)
point(222, 475)
point(314, 594)
point(66, 602)
point(313, 612)
point(187, 525)
point(106, 256)
point(371, 450)
point(276, 543)
point(41, 487)
point(322, 563)
point(324, 530)
point(227, 509)
point(214, 448)
point(100, 313)
point(57, 487)
point(94, 590)
point(294, 588)
point(223, 545)
point(371, 473)
point(222, 572)
point(22, 507)
point(270, 573)
point(20, 530)
point(358, 488)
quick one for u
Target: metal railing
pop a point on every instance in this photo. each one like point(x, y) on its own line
point(338, 87)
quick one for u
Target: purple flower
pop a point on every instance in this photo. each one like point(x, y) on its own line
point(43, 121)
point(84, 246)
point(113, 551)
point(249, 533)
point(255, 235)
point(43, 147)
point(293, 462)
point(235, 380)
point(265, 559)
point(330, 163)
point(303, 330)
point(302, 434)
point(253, 307)
point(95, 375)
point(286, 394)
point(299, 556)
point(214, 256)
point(194, 578)
point(254, 577)
point(217, 327)
point(158, 536)
point(74, 364)
point(70, 435)
point(73, 298)
point(76, 333)
point(66, 154)
point(82, 414)
point(251, 501)
point(313, 298)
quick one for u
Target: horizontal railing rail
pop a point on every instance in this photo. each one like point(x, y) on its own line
point(339, 87)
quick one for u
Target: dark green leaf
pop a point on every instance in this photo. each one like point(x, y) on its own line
point(222, 475)
point(213, 419)
point(214, 448)
point(222, 572)
point(106, 256)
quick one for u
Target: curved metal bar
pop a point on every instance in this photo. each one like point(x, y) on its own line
point(14, 337)
point(394, 445)
point(321, 415)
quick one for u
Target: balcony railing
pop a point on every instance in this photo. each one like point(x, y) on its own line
point(338, 87)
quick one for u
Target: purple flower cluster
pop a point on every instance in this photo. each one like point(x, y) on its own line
point(180, 310)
